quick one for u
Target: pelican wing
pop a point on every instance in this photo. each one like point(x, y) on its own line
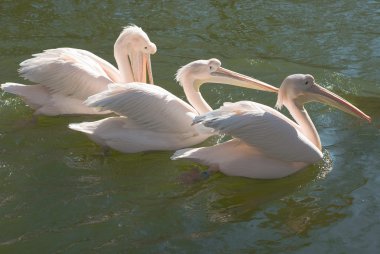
point(150, 106)
point(70, 72)
point(264, 128)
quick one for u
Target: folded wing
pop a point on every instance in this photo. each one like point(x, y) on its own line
point(150, 106)
point(264, 128)
point(69, 72)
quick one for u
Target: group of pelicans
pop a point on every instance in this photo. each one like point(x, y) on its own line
point(265, 143)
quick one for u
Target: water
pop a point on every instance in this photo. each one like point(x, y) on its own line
point(59, 194)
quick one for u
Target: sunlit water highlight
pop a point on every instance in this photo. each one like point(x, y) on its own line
point(58, 193)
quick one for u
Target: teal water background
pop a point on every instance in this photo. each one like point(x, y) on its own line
point(58, 194)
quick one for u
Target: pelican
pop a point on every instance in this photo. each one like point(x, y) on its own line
point(66, 77)
point(267, 144)
point(151, 118)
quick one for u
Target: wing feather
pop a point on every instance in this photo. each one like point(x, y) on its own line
point(263, 128)
point(69, 72)
point(152, 107)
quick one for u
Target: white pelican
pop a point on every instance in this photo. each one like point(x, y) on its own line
point(155, 119)
point(65, 77)
point(267, 144)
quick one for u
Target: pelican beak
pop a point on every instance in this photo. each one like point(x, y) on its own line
point(320, 94)
point(225, 76)
point(138, 67)
point(148, 65)
point(141, 65)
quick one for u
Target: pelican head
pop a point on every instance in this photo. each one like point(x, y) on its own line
point(302, 88)
point(134, 44)
point(210, 71)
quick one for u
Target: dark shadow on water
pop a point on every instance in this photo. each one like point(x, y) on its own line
point(236, 199)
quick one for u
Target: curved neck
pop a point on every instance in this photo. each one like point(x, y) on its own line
point(193, 95)
point(123, 63)
point(301, 116)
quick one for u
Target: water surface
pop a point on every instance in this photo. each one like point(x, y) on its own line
point(59, 194)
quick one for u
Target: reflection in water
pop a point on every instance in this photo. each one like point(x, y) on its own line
point(299, 216)
point(84, 161)
point(57, 194)
point(238, 199)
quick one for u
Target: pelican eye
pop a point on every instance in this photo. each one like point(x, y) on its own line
point(145, 47)
point(307, 82)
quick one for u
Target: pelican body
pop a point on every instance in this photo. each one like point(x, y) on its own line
point(265, 143)
point(66, 77)
point(151, 118)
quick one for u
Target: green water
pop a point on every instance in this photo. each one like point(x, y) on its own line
point(58, 194)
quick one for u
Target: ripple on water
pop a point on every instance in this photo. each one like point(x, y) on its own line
point(57, 194)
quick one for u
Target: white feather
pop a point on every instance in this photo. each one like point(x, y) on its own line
point(263, 128)
point(70, 72)
point(150, 106)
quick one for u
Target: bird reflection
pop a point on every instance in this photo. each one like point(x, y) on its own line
point(239, 199)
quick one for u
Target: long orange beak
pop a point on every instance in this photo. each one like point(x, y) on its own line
point(225, 76)
point(142, 66)
point(320, 94)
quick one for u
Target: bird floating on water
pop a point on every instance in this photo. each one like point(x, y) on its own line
point(66, 77)
point(267, 144)
point(151, 118)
